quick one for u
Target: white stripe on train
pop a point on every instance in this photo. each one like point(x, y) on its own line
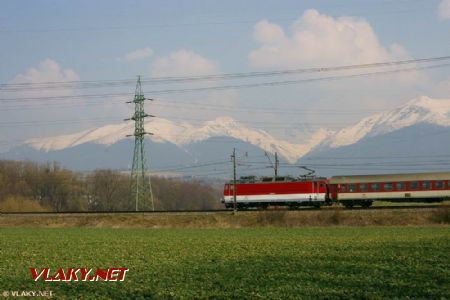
point(277, 198)
point(395, 195)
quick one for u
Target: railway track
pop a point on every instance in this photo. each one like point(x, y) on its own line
point(85, 213)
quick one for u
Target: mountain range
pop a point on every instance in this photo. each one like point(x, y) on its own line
point(411, 137)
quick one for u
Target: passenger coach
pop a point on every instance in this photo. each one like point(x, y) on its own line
point(415, 187)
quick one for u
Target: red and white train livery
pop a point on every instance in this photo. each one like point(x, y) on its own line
point(364, 189)
point(360, 190)
point(279, 191)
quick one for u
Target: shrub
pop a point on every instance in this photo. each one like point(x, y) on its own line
point(268, 218)
point(336, 217)
point(441, 215)
point(20, 204)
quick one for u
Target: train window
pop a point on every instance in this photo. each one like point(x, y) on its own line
point(343, 187)
point(439, 185)
point(427, 185)
point(400, 186)
point(363, 187)
point(375, 186)
point(414, 185)
point(351, 188)
point(387, 186)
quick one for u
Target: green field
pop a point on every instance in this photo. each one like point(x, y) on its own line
point(370, 263)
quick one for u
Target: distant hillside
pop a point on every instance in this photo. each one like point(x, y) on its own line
point(413, 132)
point(417, 148)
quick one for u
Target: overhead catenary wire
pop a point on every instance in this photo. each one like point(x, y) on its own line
point(247, 171)
point(372, 157)
point(264, 165)
point(193, 166)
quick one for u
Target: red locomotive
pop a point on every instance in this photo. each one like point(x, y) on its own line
point(275, 191)
point(359, 190)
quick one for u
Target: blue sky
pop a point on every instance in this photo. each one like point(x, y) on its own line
point(94, 33)
point(100, 40)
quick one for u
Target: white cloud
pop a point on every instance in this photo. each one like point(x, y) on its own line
point(40, 108)
point(51, 106)
point(138, 54)
point(188, 63)
point(47, 70)
point(183, 63)
point(317, 40)
point(444, 9)
point(268, 33)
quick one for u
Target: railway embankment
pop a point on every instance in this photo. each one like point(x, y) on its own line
point(226, 219)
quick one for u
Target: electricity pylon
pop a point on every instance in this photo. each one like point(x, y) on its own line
point(141, 195)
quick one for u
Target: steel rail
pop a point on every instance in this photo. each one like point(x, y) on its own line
point(79, 213)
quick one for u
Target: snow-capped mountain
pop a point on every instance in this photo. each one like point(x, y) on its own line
point(419, 128)
point(182, 134)
point(422, 110)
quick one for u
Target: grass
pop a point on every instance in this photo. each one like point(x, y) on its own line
point(390, 203)
point(441, 215)
point(270, 263)
point(280, 218)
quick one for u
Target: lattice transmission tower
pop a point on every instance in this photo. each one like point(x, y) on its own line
point(141, 194)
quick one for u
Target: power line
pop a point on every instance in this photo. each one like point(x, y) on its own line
point(189, 167)
point(205, 107)
point(209, 107)
point(189, 24)
point(227, 87)
point(239, 75)
point(169, 117)
point(256, 109)
point(291, 82)
point(183, 25)
point(193, 165)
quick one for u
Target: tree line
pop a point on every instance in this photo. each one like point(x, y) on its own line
point(30, 186)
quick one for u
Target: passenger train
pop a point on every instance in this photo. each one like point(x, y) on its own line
point(359, 190)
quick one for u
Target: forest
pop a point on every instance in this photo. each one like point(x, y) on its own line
point(32, 187)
